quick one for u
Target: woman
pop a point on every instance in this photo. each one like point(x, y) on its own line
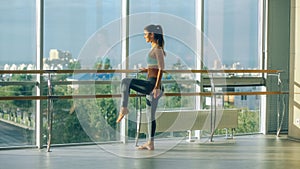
point(152, 86)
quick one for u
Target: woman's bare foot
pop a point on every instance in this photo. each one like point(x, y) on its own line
point(122, 113)
point(147, 146)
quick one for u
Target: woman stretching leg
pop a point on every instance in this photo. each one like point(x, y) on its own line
point(151, 86)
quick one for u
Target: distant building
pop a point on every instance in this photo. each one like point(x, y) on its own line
point(250, 101)
point(58, 60)
point(54, 54)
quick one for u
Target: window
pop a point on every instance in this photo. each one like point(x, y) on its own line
point(17, 52)
point(71, 30)
point(178, 21)
point(232, 30)
point(88, 35)
point(82, 35)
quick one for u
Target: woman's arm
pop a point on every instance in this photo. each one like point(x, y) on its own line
point(143, 70)
point(161, 65)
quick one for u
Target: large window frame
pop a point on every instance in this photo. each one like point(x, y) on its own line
point(257, 81)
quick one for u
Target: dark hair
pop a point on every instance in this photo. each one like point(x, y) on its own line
point(158, 35)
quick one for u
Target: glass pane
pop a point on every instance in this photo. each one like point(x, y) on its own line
point(249, 107)
point(17, 52)
point(77, 25)
point(17, 31)
point(178, 21)
point(82, 35)
point(232, 30)
point(232, 40)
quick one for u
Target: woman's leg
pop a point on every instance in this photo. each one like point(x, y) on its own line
point(151, 109)
point(141, 86)
point(151, 121)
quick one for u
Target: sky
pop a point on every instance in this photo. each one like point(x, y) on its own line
point(17, 31)
point(70, 24)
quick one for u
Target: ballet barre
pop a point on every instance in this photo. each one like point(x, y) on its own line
point(50, 97)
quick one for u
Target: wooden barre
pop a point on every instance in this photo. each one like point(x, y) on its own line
point(131, 71)
point(136, 95)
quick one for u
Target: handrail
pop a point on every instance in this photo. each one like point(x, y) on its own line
point(50, 97)
point(134, 95)
point(133, 71)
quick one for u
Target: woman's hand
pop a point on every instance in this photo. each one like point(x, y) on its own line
point(156, 93)
point(143, 69)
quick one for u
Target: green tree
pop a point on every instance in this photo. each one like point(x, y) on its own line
point(12, 106)
point(66, 127)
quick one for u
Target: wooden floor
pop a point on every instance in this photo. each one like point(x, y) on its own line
point(253, 152)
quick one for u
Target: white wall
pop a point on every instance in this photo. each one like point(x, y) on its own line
point(294, 104)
